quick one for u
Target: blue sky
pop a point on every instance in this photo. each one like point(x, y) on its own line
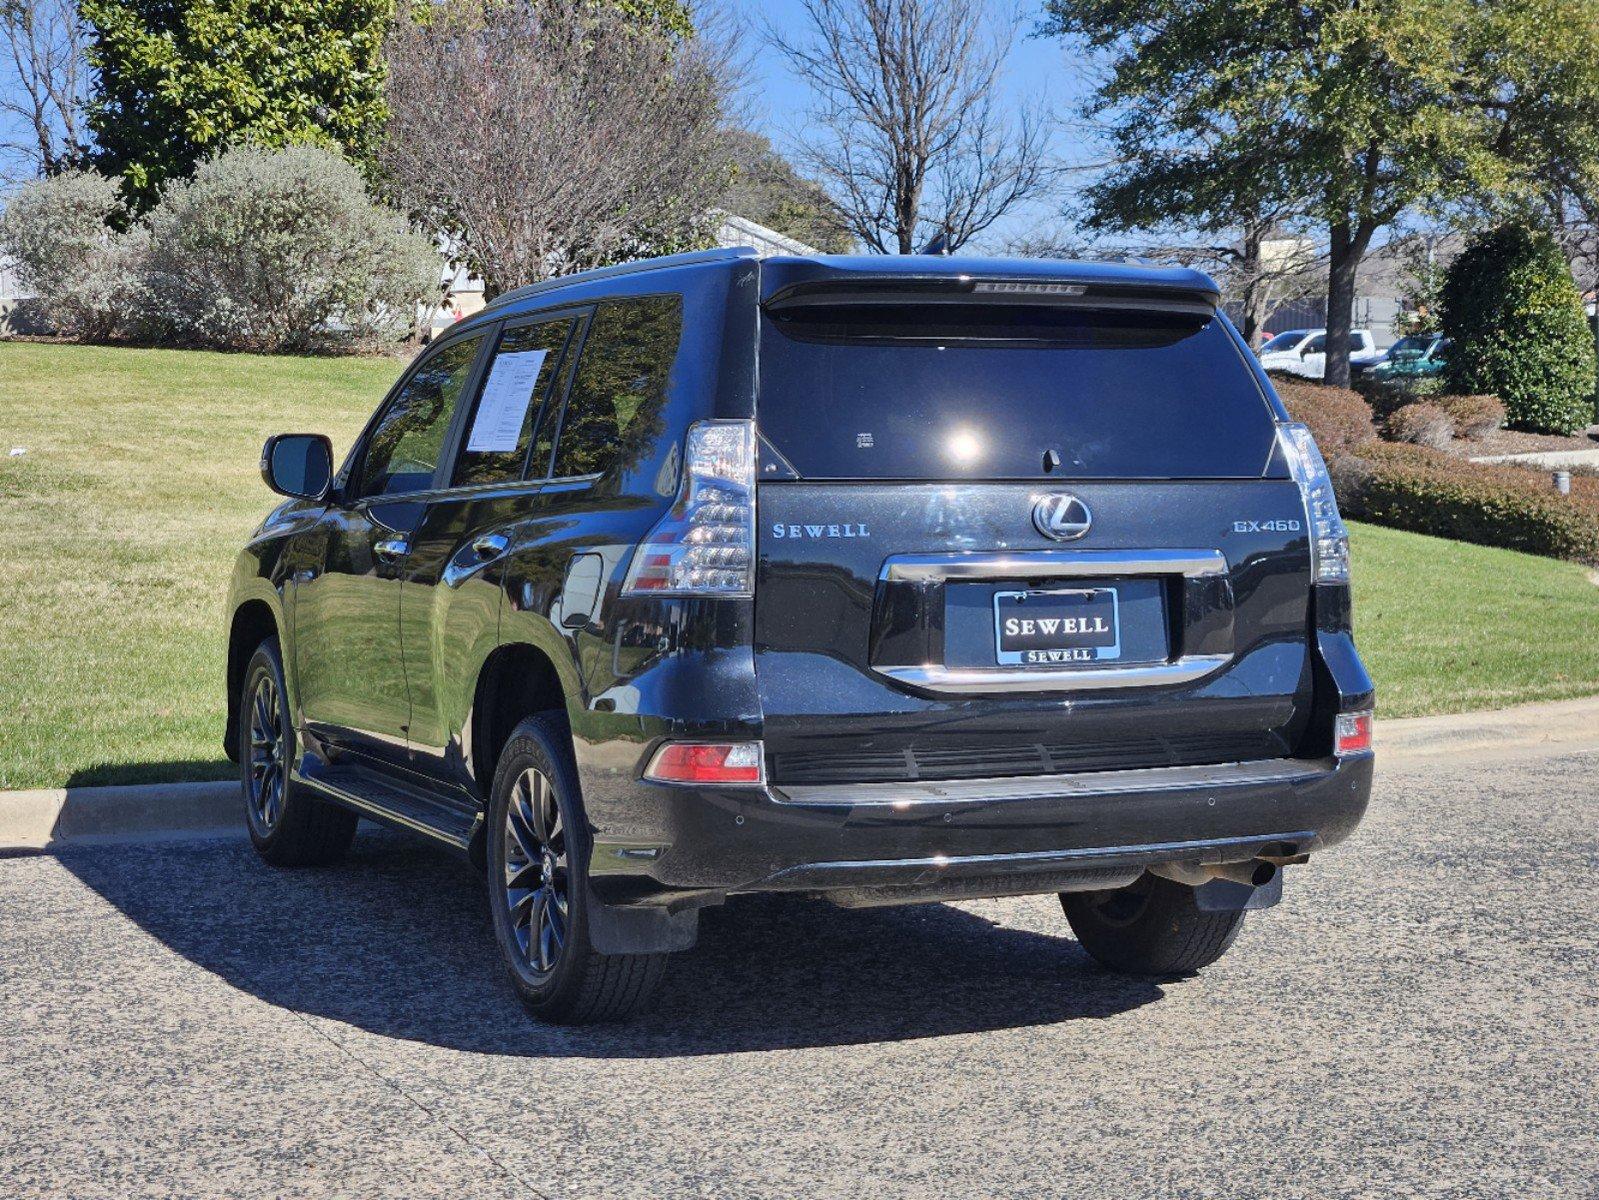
point(1038, 66)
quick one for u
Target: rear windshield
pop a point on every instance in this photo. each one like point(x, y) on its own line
point(949, 392)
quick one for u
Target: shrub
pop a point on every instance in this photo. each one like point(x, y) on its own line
point(1474, 416)
point(85, 274)
point(1338, 419)
point(1385, 394)
point(1423, 424)
point(282, 250)
point(1519, 331)
point(1410, 487)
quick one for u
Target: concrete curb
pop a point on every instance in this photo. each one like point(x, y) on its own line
point(51, 818)
point(1573, 724)
point(48, 818)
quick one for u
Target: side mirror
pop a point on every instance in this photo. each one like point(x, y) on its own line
point(298, 464)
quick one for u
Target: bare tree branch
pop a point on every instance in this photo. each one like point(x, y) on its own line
point(547, 137)
point(41, 85)
point(905, 129)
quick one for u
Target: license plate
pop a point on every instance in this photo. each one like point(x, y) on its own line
point(1056, 628)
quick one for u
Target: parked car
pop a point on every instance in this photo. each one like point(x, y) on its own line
point(888, 580)
point(1304, 352)
point(1419, 356)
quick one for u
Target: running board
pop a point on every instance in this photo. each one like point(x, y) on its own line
point(371, 795)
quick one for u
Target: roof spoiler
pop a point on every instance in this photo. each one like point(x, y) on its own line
point(1032, 290)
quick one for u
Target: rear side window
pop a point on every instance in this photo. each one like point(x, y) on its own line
point(613, 410)
point(925, 391)
point(515, 388)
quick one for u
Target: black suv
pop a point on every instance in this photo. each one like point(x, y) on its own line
point(891, 580)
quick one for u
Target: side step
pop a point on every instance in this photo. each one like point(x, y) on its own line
point(384, 799)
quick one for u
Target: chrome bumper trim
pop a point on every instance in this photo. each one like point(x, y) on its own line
point(1054, 564)
point(910, 794)
point(968, 680)
point(1202, 850)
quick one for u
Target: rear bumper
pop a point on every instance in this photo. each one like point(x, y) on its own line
point(976, 837)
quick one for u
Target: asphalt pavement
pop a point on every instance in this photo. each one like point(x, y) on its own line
point(1419, 1018)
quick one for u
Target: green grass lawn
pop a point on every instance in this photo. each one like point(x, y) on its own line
point(119, 526)
point(118, 530)
point(1449, 627)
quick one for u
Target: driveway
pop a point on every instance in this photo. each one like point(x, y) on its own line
point(1420, 1017)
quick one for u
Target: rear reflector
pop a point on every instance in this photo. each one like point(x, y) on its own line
point(1352, 733)
point(700, 762)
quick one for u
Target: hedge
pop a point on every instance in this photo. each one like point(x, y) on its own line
point(1411, 487)
point(1338, 419)
point(1393, 392)
point(1474, 416)
point(1423, 424)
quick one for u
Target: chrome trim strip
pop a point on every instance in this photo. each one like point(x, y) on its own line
point(1054, 564)
point(1147, 852)
point(967, 680)
point(1141, 780)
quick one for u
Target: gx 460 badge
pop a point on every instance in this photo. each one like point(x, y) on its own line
point(1280, 525)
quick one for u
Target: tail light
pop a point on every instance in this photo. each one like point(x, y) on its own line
point(1329, 540)
point(1352, 733)
point(706, 762)
point(705, 545)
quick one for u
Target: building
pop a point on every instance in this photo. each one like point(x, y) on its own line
point(734, 230)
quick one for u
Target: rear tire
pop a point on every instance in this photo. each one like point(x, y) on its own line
point(538, 847)
point(288, 826)
point(1150, 927)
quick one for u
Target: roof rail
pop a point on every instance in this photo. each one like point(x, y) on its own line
point(686, 259)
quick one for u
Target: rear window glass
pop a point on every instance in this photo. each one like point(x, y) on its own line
point(949, 392)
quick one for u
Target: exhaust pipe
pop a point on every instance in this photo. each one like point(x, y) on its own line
point(1254, 874)
point(1227, 887)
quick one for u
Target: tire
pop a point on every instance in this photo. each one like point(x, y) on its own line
point(538, 847)
point(288, 826)
point(1150, 927)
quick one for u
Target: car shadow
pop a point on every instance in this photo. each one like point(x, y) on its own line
point(396, 940)
point(173, 770)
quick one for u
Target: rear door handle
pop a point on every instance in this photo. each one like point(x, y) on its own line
point(390, 549)
point(490, 545)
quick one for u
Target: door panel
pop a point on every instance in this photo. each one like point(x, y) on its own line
point(346, 631)
point(449, 619)
point(450, 601)
point(348, 651)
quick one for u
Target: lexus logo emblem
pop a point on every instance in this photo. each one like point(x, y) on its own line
point(1062, 516)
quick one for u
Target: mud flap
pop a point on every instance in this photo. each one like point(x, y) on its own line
point(640, 929)
point(1227, 895)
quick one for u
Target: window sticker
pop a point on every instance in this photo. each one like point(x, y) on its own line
point(497, 426)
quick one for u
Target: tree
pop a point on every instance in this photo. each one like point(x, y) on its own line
point(1519, 331)
point(41, 84)
point(1265, 267)
point(538, 139)
point(1358, 109)
point(767, 189)
point(176, 80)
point(908, 131)
point(1249, 204)
point(1257, 265)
